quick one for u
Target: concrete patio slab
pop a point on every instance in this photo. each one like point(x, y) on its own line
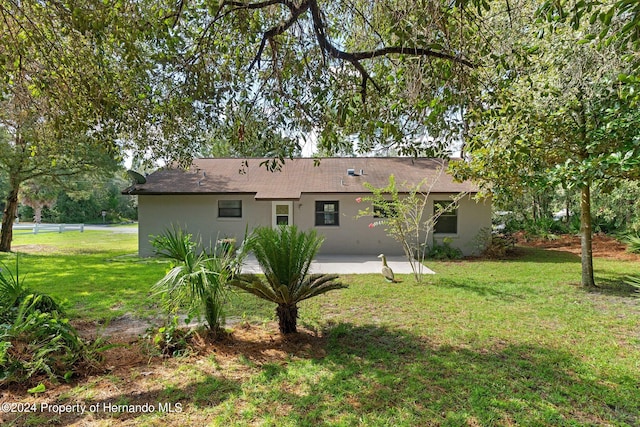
point(346, 264)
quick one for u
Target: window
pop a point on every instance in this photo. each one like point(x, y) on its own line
point(229, 208)
point(384, 211)
point(327, 213)
point(448, 221)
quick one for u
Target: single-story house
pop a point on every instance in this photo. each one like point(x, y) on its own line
point(220, 198)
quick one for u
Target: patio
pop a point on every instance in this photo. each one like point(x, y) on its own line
point(347, 264)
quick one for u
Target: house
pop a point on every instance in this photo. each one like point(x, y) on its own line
point(219, 198)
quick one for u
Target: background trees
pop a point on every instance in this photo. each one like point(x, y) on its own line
point(81, 199)
point(555, 112)
point(64, 97)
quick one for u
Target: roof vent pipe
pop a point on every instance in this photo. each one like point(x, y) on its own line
point(361, 171)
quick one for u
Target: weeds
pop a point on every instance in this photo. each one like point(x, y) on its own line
point(35, 336)
point(170, 340)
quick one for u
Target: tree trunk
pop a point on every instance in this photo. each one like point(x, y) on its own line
point(213, 315)
point(586, 234)
point(287, 318)
point(37, 213)
point(9, 215)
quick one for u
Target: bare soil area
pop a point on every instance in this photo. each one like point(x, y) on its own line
point(603, 246)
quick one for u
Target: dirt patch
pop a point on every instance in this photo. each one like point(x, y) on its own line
point(603, 246)
point(35, 249)
point(132, 372)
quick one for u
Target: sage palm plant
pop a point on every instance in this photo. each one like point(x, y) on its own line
point(285, 255)
point(198, 279)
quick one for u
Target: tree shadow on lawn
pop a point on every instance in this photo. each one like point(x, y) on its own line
point(381, 374)
point(614, 284)
point(527, 254)
point(544, 255)
point(127, 407)
point(372, 375)
point(481, 289)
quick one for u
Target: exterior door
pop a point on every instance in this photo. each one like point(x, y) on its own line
point(282, 213)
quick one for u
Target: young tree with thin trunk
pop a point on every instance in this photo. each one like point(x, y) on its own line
point(555, 111)
point(404, 215)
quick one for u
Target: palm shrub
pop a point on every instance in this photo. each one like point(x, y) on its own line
point(633, 281)
point(197, 279)
point(285, 255)
point(13, 292)
point(35, 337)
point(174, 244)
point(633, 243)
point(38, 342)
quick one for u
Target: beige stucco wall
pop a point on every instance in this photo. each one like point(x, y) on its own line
point(199, 215)
point(352, 236)
point(473, 216)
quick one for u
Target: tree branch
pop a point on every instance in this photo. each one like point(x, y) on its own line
point(319, 27)
point(413, 51)
point(355, 57)
point(276, 31)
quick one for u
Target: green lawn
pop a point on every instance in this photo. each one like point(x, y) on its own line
point(98, 275)
point(482, 343)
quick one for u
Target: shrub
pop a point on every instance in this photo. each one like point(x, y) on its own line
point(633, 243)
point(494, 245)
point(443, 251)
point(170, 340)
point(40, 342)
point(285, 255)
point(198, 280)
point(13, 292)
point(633, 281)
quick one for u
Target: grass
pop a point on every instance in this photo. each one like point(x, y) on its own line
point(98, 275)
point(483, 343)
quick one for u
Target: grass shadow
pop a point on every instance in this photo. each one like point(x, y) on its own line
point(615, 285)
point(542, 255)
point(479, 288)
point(378, 374)
point(529, 254)
point(375, 375)
point(128, 407)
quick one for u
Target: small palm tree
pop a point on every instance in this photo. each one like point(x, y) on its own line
point(197, 280)
point(285, 255)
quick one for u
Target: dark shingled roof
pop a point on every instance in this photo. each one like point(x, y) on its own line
point(231, 176)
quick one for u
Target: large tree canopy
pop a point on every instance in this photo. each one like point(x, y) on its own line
point(155, 76)
point(557, 109)
point(62, 99)
point(350, 72)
